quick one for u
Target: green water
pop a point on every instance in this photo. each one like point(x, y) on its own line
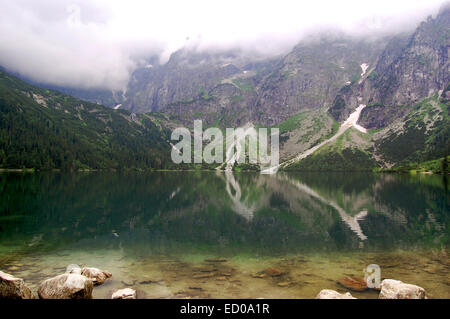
point(213, 234)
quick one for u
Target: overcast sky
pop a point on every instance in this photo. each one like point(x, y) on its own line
point(98, 43)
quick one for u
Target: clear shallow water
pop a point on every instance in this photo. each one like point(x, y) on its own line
point(212, 235)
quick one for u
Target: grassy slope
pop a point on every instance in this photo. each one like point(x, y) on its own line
point(344, 154)
point(423, 135)
point(417, 142)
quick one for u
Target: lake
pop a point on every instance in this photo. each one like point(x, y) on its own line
point(226, 235)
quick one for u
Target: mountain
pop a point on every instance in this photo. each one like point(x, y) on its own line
point(410, 69)
point(217, 87)
point(309, 92)
point(399, 84)
point(45, 129)
point(310, 76)
point(230, 88)
point(406, 95)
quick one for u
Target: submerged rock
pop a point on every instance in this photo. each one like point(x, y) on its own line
point(66, 286)
point(353, 283)
point(203, 275)
point(13, 268)
point(258, 275)
point(395, 289)
point(96, 275)
point(273, 272)
point(128, 283)
point(331, 294)
point(13, 288)
point(126, 293)
point(216, 260)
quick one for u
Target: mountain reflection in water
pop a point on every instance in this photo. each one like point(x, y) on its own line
point(223, 211)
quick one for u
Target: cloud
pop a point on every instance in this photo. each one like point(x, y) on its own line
point(98, 43)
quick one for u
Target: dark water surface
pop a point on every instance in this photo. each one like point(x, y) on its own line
point(213, 235)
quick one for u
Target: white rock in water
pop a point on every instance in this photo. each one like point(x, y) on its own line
point(13, 288)
point(331, 294)
point(96, 275)
point(395, 289)
point(66, 286)
point(126, 293)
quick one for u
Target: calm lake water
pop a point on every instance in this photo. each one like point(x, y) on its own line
point(214, 234)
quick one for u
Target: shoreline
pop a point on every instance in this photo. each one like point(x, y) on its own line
point(380, 171)
point(204, 279)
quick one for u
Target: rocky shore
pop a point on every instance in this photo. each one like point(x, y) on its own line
point(389, 289)
point(75, 283)
point(79, 283)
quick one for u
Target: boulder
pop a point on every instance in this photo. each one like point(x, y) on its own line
point(73, 269)
point(96, 275)
point(395, 289)
point(13, 288)
point(353, 283)
point(126, 293)
point(66, 286)
point(331, 294)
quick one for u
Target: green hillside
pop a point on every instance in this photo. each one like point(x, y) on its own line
point(44, 129)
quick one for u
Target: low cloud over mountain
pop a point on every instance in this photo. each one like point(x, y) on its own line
point(98, 43)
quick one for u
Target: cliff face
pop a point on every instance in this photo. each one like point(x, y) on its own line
point(408, 71)
point(229, 88)
point(194, 85)
point(311, 75)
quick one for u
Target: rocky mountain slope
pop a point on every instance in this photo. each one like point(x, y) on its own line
point(409, 70)
point(311, 75)
point(402, 80)
point(229, 88)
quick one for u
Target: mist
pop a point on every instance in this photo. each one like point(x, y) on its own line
point(98, 43)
